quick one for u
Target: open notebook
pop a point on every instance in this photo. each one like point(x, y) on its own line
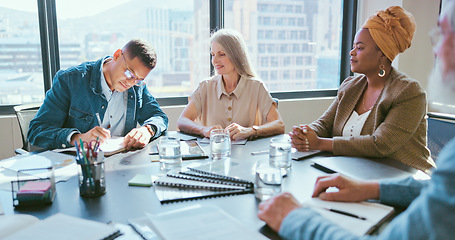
point(112, 146)
point(359, 218)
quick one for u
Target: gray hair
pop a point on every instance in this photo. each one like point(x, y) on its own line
point(448, 10)
point(235, 49)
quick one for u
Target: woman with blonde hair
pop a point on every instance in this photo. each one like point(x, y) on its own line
point(381, 112)
point(234, 99)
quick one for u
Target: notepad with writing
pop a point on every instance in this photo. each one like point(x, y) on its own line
point(359, 218)
point(197, 184)
point(112, 146)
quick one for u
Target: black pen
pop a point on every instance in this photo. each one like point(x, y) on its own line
point(345, 213)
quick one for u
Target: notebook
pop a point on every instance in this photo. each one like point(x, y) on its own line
point(112, 146)
point(360, 218)
point(201, 223)
point(197, 184)
point(362, 168)
point(298, 155)
point(58, 226)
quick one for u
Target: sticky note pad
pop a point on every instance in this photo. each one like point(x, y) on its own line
point(35, 186)
point(141, 180)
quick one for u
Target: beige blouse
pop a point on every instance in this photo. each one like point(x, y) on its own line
point(247, 105)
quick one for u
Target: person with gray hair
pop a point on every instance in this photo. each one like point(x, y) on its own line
point(235, 98)
point(430, 203)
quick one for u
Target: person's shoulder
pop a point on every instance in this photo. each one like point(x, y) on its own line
point(209, 82)
point(81, 70)
point(253, 81)
point(351, 82)
point(403, 83)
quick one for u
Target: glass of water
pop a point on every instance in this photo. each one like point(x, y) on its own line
point(220, 144)
point(169, 150)
point(267, 180)
point(280, 153)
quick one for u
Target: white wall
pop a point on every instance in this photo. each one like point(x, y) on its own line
point(417, 62)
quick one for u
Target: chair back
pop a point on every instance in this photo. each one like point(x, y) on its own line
point(441, 129)
point(25, 113)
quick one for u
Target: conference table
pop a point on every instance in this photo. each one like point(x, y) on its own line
point(122, 202)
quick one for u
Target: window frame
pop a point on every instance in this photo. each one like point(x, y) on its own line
point(47, 16)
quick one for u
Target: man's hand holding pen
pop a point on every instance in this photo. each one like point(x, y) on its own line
point(97, 132)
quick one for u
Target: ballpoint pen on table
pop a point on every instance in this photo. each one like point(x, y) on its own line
point(345, 213)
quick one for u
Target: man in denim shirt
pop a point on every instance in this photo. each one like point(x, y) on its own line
point(101, 99)
point(430, 212)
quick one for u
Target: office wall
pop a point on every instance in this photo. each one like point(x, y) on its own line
point(294, 112)
point(416, 62)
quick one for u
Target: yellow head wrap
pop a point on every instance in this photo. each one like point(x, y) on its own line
point(392, 30)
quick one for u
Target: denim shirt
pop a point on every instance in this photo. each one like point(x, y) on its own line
point(74, 99)
point(430, 213)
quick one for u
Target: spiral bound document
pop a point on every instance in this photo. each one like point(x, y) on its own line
point(197, 184)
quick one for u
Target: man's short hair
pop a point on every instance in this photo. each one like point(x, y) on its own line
point(143, 50)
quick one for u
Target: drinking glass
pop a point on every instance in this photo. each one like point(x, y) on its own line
point(169, 150)
point(280, 153)
point(267, 180)
point(220, 144)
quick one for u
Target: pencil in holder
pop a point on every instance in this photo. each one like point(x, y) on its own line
point(92, 182)
point(33, 187)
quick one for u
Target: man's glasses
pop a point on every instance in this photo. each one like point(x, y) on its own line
point(130, 75)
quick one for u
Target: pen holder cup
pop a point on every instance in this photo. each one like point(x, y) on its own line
point(92, 181)
point(33, 187)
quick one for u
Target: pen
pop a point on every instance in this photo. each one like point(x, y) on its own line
point(345, 213)
point(98, 117)
point(260, 152)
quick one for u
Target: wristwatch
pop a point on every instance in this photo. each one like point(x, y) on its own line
point(150, 129)
point(256, 129)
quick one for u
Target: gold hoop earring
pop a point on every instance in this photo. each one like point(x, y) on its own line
point(381, 70)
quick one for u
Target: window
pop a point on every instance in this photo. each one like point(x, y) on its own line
point(180, 31)
point(21, 74)
point(180, 40)
point(312, 47)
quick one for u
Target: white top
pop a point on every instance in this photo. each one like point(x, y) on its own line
point(355, 124)
point(114, 117)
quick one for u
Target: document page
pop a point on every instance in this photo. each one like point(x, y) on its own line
point(112, 146)
point(197, 222)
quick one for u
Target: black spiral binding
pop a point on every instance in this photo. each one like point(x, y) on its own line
point(191, 186)
point(204, 174)
point(243, 187)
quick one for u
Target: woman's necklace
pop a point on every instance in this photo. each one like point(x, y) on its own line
point(364, 106)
